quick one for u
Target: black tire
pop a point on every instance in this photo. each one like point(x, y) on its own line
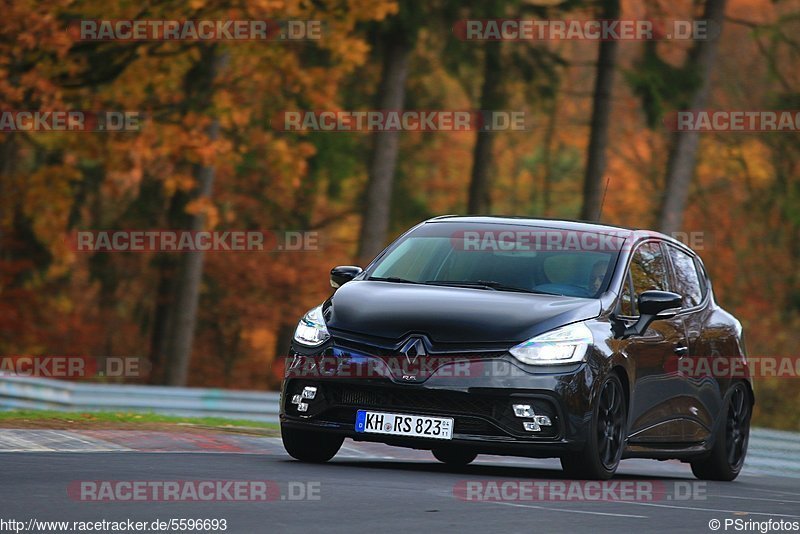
point(730, 442)
point(600, 457)
point(309, 445)
point(454, 457)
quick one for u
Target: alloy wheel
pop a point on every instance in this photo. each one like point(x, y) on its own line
point(610, 424)
point(737, 428)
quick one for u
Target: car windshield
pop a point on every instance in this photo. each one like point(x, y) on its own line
point(499, 258)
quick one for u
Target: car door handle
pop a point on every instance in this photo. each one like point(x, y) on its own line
point(682, 350)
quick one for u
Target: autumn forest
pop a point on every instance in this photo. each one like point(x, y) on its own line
point(206, 153)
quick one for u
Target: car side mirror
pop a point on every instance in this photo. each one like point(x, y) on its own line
point(652, 305)
point(344, 273)
point(664, 304)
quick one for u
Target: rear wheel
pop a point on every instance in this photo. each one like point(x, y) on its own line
point(600, 457)
point(730, 443)
point(309, 445)
point(454, 457)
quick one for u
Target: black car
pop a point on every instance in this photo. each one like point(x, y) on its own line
point(523, 337)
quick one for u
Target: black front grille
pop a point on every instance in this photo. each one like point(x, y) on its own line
point(446, 351)
point(474, 413)
point(412, 398)
point(473, 425)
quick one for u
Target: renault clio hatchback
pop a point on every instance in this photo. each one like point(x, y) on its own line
point(527, 337)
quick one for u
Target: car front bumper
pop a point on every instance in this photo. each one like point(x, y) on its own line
point(479, 400)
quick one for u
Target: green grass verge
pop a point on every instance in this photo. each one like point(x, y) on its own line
point(126, 417)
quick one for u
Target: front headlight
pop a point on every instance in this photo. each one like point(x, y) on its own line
point(566, 344)
point(312, 330)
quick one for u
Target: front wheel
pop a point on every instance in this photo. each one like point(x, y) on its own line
point(310, 445)
point(730, 443)
point(600, 457)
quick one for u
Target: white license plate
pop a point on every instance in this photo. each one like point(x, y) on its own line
point(404, 425)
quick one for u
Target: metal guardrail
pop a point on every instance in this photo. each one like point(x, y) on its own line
point(773, 452)
point(28, 393)
point(770, 451)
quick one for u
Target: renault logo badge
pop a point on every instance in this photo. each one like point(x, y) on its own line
point(413, 349)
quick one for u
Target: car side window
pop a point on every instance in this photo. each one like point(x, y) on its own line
point(687, 281)
point(701, 273)
point(626, 305)
point(648, 270)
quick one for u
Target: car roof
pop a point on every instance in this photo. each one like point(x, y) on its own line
point(562, 224)
point(559, 224)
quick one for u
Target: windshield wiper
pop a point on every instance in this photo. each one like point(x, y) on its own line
point(459, 283)
point(485, 284)
point(394, 279)
point(505, 287)
point(476, 284)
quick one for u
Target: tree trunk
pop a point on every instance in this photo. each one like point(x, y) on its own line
point(683, 154)
point(183, 317)
point(167, 265)
point(8, 158)
point(159, 336)
point(601, 113)
point(491, 98)
point(378, 200)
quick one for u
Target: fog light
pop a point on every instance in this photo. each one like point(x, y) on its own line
point(309, 392)
point(531, 427)
point(523, 410)
point(302, 407)
point(542, 420)
point(296, 399)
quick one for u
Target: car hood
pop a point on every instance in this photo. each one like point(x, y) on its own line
point(450, 314)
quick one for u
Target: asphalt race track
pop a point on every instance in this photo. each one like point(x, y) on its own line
point(366, 488)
